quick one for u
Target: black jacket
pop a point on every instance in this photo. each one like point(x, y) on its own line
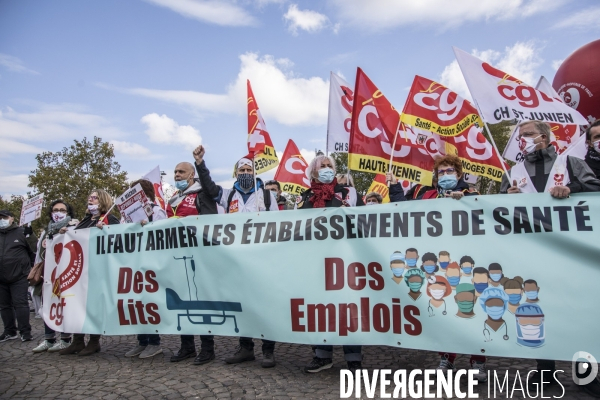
point(397, 193)
point(16, 257)
point(339, 191)
point(88, 222)
point(205, 200)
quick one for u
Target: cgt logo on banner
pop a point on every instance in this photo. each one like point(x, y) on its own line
point(66, 281)
point(291, 173)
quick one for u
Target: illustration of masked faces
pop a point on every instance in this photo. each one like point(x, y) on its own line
point(531, 292)
point(453, 276)
point(514, 296)
point(411, 258)
point(437, 291)
point(480, 281)
point(495, 276)
point(443, 259)
point(397, 267)
point(530, 326)
point(465, 302)
point(494, 308)
point(466, 269)
point(415, 283)
point(429, 267)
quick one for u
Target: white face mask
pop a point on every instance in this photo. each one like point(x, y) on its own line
point(437, 293)
point(4, 223)
point(58, 216)
point(531, 332)
point(371, 203)
point(526, 144)
point(93, 209)
point(596, 146)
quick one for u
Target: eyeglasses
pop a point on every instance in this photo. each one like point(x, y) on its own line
point(446, 171)
point(93, 198)
point(528, 134)
point(59, 210)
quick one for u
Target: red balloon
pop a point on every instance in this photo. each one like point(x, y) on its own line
point(577, 80)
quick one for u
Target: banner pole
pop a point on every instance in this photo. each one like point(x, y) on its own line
point(491, 138)
point(255, 181)
point(328, 113)
point(393, 147)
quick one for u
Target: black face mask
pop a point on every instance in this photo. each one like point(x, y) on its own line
point(246, 181)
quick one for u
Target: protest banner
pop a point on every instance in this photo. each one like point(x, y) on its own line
point(155, 177)
point(32, 209)
point(380, 185)
point(259, 140)
point(454, 125)
point(339, 118)
point(375, 137)
point(501, 97)
point(134, 205)
point(291, 173)
point(529, 295)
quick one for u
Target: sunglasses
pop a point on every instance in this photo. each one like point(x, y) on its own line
point(445, 171)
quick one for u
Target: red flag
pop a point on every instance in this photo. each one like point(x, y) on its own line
point(291, 173)
point(448, 124)
point(375, 122)
point(154, 177)
point(380, 185)
point(259, 140)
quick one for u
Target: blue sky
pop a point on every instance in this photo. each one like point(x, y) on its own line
point(157, 77)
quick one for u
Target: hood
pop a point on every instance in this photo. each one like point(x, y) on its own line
point(194, 188)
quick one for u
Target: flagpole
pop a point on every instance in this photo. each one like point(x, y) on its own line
point(503, 162)
point(328, 116)
point(393, 147)
point(255, 182)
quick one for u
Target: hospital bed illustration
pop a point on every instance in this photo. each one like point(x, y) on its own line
point(202, 308)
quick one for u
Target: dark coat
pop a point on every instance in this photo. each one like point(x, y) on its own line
point(339, 191)
point(16, 256)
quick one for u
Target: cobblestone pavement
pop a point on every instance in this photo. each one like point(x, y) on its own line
point(110, 375)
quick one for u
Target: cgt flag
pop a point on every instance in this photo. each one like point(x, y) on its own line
point(562, 137)
point(341, 98)
point(291, 173)
point(448, 124)
point(380, 185)
point(375, 123)
point(154, 177)
point(259, 140)
point(502, 97)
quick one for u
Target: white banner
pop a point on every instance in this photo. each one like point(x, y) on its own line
point(32, 209)
point(134, 205)
point(501, 97)
point(154, 177)
point(340, 114)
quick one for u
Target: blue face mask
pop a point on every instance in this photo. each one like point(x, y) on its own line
point(514, 298)
point(532, 295)
point(454, 280)
point(326, 175)
point(430, 269)
point(4, 223)
point(480, 287)
point(181, 185)
point(411, 262)
point(467, 270)
point(495, 277)
point(495, 312)
point(448, 182)
point(397, 272)
point(415, 286)
point(444, 264)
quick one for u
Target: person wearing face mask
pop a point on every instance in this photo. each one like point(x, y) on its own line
point(494, 302)
point(245, 196)
point(438, 288)
point(592, 140)
point(453, 274)
point(396, 192)
point(480, 280)
point(531, 291)
point(496, 274)
point(61, 216)
point(530, 325)
point(429, 265)
point(325, 192)
point(16, 260)
point(514, 290)
point(97, 215)
point(448, 172)
point(192, 198)
point(414, 279)
point(466, 266)
point(412, 257)
point(465, 300)
point(397, 265)
point(275, 187)
point(444, 259)
point(543, 170)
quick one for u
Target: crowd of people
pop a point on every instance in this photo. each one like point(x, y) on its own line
point(197, 194)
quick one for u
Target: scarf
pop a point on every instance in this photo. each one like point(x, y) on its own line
point(592, 158)
point(54, 227)
point(322, 192)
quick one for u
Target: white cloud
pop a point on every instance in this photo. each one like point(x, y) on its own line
point(307, 20)
point(383, 14)
point(219, 12)
point(582, 20)
point(14, 184)
point(15, 64)
point(281, 94)
point(521, 61)
point(130, 149)
point(556, 64)
point(162, 129)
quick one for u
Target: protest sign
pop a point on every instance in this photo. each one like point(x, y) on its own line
point(339, 117)
point(155, 177)
point(134, 205)
point(32, 209)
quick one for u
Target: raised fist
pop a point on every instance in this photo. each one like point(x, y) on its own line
point(199, 154)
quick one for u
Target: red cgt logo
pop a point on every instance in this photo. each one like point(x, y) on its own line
point(72, 272)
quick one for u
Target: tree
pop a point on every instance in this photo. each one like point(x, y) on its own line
point(362, 180)
point(72, 173)
point(501, 134)
point(14, 205)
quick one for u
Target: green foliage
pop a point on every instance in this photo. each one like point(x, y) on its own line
point(362, 180)
point(72, 173)
point(14, 204)
point(501, 134)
